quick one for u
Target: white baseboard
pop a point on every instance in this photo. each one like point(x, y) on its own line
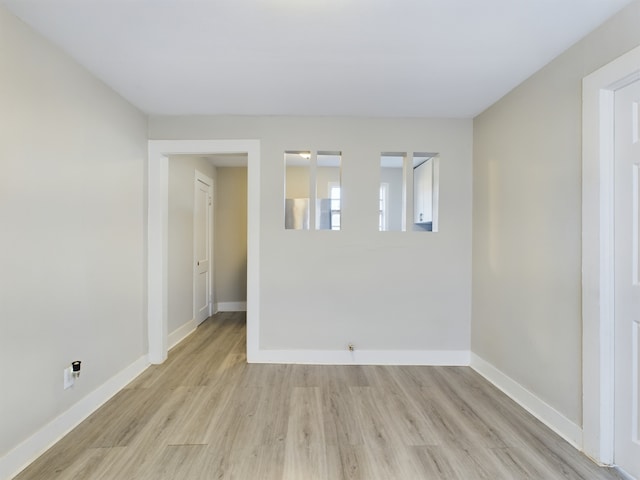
point(624, 474)
point(21, 456)
point(230, 307)
point(362, 357)
point(544, 412)
point(181, 333)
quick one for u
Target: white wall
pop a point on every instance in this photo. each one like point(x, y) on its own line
point(526, 318)
point(180, 241)
point(380, 290)
point(231, 235)
point(72, 216)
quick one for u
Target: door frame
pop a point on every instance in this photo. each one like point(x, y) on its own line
point(157, 233)
point(204, 179)
point(598, 92)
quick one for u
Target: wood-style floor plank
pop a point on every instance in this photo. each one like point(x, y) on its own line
point(305, 445)
point(207, 414)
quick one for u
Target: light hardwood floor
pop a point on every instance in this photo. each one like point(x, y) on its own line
point(206, 414)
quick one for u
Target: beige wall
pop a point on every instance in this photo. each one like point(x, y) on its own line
point(387, 291)
point(297, 182)
point(231, 235)
point(182, 170)
point(72, 217)
point(526, 317)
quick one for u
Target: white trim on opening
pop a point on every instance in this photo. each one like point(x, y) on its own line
point(597, 252)
point(158, 192)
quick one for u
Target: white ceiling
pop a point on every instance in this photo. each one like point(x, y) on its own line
point(424, 58)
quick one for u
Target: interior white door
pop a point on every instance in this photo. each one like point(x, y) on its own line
point(627, 282)
point(203, 205)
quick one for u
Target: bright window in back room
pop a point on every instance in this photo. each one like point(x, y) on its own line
point(328, 191)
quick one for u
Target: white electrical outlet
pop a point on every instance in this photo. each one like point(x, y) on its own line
point(68, 378)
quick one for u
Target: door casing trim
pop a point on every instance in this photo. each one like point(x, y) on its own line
point(598, 91)
point(157, 232)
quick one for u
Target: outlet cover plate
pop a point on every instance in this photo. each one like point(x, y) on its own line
point(68, 378)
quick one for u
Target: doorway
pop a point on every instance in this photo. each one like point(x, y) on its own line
point(157, 232)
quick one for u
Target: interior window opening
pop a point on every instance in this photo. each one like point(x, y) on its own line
point(393, 191)
point(328, 191)
point(313, 196)
point(426, 191)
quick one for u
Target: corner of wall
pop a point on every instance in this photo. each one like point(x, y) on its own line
point(537, 407)
point(181, 333)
